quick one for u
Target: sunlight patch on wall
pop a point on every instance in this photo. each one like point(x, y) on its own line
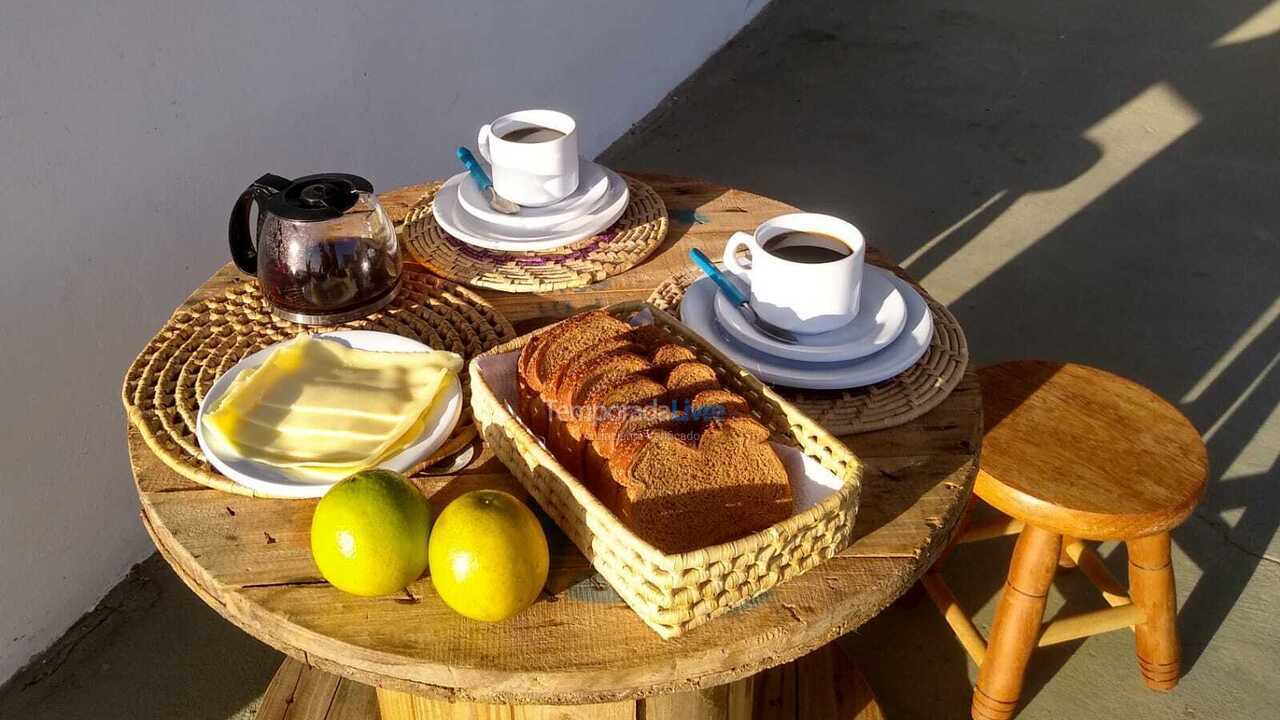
point(1127, 138)
point(1263, 322)
point(1261, 24)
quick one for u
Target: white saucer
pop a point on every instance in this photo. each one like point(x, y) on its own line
point(280, 482)
point(593, 183)
point(613, 200)
point(459, 223)
point(881, 316)
point(697, 311)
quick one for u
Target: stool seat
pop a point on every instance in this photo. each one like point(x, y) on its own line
point(1085, 453)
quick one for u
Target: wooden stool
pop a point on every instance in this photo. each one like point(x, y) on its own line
point(1073, 454)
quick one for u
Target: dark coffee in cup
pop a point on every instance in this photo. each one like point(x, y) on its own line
point(807, 247)
point(531, 134)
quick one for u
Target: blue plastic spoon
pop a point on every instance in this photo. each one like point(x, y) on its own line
point(739, 300)
point(496, 201)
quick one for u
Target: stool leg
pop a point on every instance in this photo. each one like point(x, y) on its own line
point(1017, 624)
point(1064, 560)
point(1151, 587)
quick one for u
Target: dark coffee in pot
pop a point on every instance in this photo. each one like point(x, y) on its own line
point(807, 247)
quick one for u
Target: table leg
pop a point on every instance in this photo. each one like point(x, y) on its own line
point(403, 706)
point(824, 685)
point(298, 692)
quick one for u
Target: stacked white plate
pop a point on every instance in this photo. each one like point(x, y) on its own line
point(599, 201)
point(890, 333)
point(283, 482)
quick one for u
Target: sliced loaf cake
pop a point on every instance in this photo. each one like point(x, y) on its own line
point(571, 408)
point(557, 345)
point(651, 432)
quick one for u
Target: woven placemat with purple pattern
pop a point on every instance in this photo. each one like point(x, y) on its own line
point(635, 235)
point(898, 400)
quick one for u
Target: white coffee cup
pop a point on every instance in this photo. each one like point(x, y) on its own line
point(533, 174)
point(803, 297)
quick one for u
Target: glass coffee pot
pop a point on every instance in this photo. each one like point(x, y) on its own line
point(325, 252)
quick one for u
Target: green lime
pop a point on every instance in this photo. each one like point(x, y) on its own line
point(369, 533)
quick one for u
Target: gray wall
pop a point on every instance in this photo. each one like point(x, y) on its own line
point(127, 129)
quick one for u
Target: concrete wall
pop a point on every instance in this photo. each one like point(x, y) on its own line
point(127, 129)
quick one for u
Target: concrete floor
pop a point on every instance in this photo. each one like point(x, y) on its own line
point(1092, 181)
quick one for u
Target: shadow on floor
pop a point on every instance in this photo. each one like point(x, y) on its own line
point(1085, 181)
point(151, 649)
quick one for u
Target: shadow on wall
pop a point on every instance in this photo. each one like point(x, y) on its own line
point(1088, 181)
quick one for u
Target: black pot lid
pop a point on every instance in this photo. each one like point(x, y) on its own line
point(318, 197)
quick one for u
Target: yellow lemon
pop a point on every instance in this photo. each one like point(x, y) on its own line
point(488, 555)
point(369, 533)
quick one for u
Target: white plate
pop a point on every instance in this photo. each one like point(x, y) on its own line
point(697, 311)
point(593, 183)
point(455, 220)
point(599, 217)
point(881, 316)
point(281, 481)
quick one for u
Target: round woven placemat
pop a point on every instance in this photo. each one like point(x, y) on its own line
point(640, 230)
point(905, 397)
point(165, 384)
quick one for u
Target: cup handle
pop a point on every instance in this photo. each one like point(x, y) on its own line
point(730, 259)
point(482, 141)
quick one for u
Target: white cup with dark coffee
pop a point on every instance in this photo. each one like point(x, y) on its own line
point(805, 270)
point(533, 155)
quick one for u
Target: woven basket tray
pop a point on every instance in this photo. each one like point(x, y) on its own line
point(640, 230)
point(890, 403)
point(203, 339)
point(673, 593)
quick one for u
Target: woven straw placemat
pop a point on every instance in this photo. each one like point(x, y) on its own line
point(910, 394)
point(640, 230)
point(165, 384)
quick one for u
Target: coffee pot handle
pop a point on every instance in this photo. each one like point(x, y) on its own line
point(244, 246)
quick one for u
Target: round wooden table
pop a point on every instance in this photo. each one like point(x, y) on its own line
point(580, 644)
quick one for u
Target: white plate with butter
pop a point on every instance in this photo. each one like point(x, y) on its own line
point(437, 423)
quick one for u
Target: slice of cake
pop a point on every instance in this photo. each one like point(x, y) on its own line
point(527, 400)
point(669, 355)
point(633, 407)
point(543, 356)
point(571, 408)
point(681, 495)
point(690, 378)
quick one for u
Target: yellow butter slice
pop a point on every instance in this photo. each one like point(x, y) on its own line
point(323, 407)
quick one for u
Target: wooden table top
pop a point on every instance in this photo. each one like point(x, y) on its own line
point(250, 560)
